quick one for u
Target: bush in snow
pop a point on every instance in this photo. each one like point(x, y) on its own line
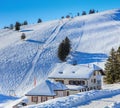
point(64, 49)
point(23, 36)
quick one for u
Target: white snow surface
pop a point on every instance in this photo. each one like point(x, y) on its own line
point(91, 36)
point(114, 105)
point(70, 71)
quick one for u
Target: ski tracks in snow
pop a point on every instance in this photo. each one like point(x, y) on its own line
point(39, 53)
point(80, 37)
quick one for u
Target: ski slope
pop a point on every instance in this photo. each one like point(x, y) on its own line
point(91, 36)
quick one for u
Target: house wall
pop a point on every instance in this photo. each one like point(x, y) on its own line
point(40, 99)
point(95, 81)
point(73, 92)
point(61, 93)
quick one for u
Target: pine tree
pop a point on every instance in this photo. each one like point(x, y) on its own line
point(118, 65)
point(17, 26)
point(84, 13)
point(112, 67)
point(39, 20)
point(11, 26)
point(91, 11)
point(25, 23)
point(61, 52)
point(78, 14)
point(64, 49)
point(67, 46)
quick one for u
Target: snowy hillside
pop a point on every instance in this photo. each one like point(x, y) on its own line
point(92, 37)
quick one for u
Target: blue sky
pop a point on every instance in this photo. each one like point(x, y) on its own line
point(30, 10)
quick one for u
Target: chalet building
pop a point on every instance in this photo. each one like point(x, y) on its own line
point(78, 78)
point(68, 79)
point(45, 91)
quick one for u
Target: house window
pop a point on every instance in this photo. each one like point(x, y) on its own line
point(98, 81)
point(91, 80)
point(34, 99)
point(82, 82)
point(94, 80)
point(67, 93)
point(71, 82)
point(94, 73)
point(60, 81)
point(43, 98)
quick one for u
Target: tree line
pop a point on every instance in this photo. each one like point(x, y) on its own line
point(18, 24)
point(91, 11)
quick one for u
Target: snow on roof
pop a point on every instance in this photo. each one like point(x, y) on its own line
point(74, 87)
point(65, 70)
point(96, 67)
point(47, 88)
point(44, 89)
point(59, 86)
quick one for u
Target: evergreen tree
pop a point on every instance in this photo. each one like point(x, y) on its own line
point(25, 23)
point(62, 17)
point(61, 52)
point(17, 26)
point(67, 16)
point(112, 67)
point(67, 46)
point(39, 20)
point(64, 49)
point(91, 11)
point(11, 26)
point(78, 14)
point(118, 65)
point(84, 13)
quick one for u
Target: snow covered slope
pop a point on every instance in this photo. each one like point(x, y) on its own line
point(92, 37)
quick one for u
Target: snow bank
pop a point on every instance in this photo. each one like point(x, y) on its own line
point(4, 98)
point(77, 99)
point(114, 105)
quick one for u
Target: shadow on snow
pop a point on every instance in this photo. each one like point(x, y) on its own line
point(85, 58)
point(34, 41)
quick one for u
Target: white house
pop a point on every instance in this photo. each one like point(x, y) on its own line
point(78, 78)
point(45, 91)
